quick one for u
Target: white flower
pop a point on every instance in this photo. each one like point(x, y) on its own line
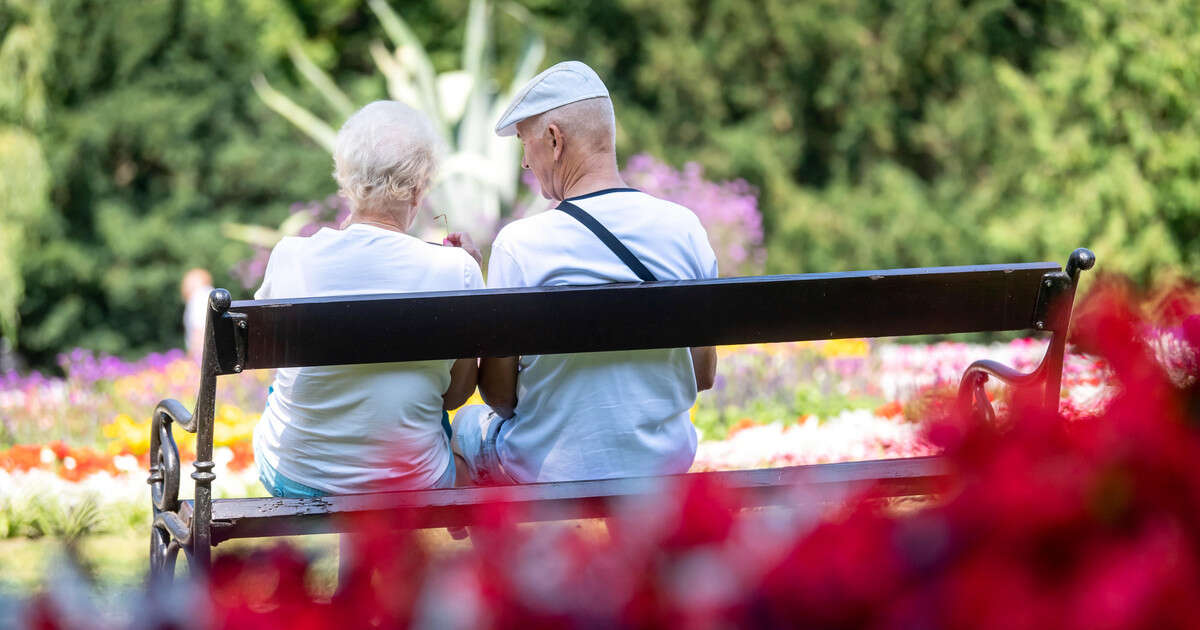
point(69, 462)
point(47, 455)
point(125, 463)
point(222, 455)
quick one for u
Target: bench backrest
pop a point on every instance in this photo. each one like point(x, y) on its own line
point(342, 330)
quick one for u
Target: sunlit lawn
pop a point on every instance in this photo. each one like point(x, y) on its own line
point(118, 561)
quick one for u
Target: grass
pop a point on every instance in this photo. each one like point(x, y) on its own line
point(116, 560)
point(119, 561)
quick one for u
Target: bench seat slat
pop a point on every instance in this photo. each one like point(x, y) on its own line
point(249, 518)
point(548, 320)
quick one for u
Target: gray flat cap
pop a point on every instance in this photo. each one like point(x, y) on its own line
point(561, 84)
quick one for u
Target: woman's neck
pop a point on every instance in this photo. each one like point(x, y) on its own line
point(387, 223)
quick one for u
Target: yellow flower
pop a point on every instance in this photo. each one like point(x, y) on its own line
point(835, 348)
point(124, 433)
point(728, 350)
point(233, 425)
point(475, 399)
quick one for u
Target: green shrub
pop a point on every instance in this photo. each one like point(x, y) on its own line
point(925, 132)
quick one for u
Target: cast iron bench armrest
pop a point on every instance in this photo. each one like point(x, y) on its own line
point(164, 463)
point(171, 532)
point(973, 400)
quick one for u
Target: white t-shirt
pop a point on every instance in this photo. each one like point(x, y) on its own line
point(602, 414)
point(358, 428)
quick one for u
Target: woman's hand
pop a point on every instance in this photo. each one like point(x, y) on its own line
point(463, 240)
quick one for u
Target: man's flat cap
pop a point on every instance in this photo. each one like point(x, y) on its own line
point(561, 84)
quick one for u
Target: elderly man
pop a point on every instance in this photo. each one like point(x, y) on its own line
point(594, 415)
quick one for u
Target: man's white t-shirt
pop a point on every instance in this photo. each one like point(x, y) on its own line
point(357, 428)
point(602, 414)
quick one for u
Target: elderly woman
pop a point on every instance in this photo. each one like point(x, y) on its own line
point(362, 428)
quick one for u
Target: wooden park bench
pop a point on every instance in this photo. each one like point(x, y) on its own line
point(265, 334)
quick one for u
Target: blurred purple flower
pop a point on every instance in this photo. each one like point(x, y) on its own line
point(85, 367)
point(728, 210)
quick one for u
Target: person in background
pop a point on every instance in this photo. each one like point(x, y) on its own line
point(197, 283)
point(363, 428)
point(601, 414)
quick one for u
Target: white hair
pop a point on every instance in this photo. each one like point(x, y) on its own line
point(591, 120)
point(384, 154)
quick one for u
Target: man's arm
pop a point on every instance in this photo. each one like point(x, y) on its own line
point(463, 375)
point(498, 384)
point(704, 362)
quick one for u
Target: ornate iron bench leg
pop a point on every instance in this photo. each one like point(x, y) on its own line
point(1054, 314)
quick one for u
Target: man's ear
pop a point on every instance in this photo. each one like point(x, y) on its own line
point(556, 140)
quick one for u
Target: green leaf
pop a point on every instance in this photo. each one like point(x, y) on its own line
point(316, 128)
point(324, 84)
point(411, 53)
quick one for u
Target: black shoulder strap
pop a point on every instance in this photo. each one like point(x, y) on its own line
point(612, 242)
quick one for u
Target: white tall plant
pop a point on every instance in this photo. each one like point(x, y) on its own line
point(478, 179)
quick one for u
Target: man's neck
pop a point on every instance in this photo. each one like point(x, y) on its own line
point(588, 178)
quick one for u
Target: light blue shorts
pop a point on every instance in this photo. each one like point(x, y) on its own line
point(280, 486)
point(475, 432)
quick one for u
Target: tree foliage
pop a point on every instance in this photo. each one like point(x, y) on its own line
point(925, 132)
point(151, 136)
point(879, 133)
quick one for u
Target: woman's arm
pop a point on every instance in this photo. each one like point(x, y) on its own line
point(498, 384)
point(704, 362)
point(463, 376)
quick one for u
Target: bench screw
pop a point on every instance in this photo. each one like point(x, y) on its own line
point(1039, 324)
point(242, 323)
point(237, 367)
point(1048, 283)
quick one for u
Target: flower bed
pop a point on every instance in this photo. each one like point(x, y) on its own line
point(773, 405)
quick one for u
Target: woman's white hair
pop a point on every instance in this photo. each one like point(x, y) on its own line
point(384, 155)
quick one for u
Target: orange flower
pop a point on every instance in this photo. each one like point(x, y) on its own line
point(889, 409)
point(741, 425)
point(243, 455)
point(60, 450)
point(80, 463)
point(21, 457)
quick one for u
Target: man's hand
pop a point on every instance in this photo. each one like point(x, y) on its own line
point(463, 240)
